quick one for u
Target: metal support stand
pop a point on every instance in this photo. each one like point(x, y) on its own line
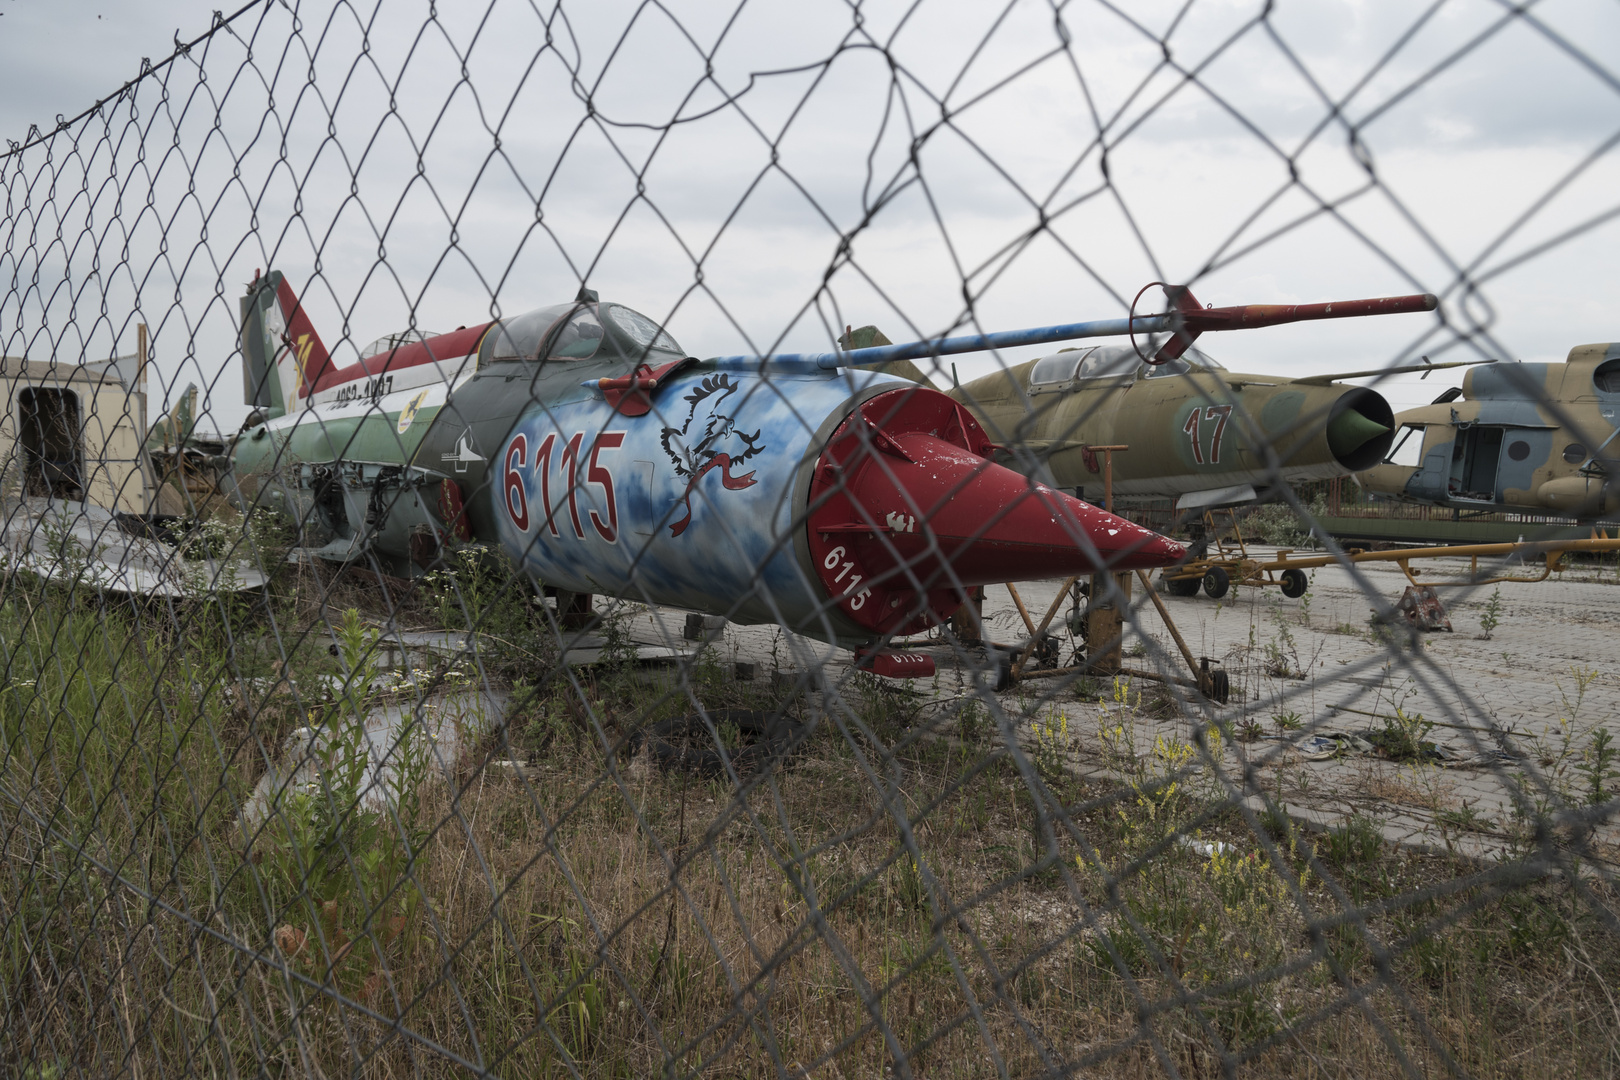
point(1105, 621)
point(574, 610)
point(968, 622)
point(1110, 593)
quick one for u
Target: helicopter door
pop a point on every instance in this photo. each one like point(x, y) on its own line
point(1429, 482)
point(1474, 459)
point(1524, 450)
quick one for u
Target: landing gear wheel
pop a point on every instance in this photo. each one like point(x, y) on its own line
point(1294, 584)
point(1214, 682)
point(1181, 586)
point(1216, 582)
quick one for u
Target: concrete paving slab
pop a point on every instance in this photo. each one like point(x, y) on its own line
point(1512, 714)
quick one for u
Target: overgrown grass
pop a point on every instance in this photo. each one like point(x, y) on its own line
point(901, 894)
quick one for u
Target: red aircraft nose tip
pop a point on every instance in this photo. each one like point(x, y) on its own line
point(977, 523)
point(911, 511)
point(1159, 551)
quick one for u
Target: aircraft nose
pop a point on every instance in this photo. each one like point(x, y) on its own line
point(994, 525)
point(911, 517)
point(1159, 550)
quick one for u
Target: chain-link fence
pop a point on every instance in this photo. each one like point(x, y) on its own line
point(589, 645)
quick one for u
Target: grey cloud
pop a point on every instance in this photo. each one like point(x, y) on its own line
point(1189, 176)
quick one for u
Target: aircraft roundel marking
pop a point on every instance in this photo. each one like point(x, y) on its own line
point(408, 413)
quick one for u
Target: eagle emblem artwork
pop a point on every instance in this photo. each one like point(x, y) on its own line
point(693, 459)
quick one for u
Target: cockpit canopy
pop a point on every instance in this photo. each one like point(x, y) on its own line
point(390, 342)
point(580, 332)
point(1072, 366)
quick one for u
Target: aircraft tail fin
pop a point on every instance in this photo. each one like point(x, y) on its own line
point(175, 428)
point(282, 353)
point(865, 337)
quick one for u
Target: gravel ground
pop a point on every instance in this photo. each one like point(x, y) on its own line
point(1514, 714)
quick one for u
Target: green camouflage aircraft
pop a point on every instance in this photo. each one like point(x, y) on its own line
point(1195, 431)
point(1526, 437)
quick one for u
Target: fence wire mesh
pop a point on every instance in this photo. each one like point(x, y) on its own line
point(519, 699)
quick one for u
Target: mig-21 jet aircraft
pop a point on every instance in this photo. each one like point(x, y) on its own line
point(1195, 430)
point(584, 442)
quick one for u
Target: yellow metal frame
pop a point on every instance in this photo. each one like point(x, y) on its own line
point(1233, 556)
point(1243, 570)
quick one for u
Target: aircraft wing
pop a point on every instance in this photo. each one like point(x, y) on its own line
point(1323, 380)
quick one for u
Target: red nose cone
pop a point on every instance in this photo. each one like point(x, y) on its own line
point(906, 511)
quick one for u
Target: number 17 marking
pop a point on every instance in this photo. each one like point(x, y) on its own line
point(1218, 413)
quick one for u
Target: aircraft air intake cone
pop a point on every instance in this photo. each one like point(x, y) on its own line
point(910, 502)
point(1350, 430)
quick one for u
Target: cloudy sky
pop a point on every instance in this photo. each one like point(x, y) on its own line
point(996, 165)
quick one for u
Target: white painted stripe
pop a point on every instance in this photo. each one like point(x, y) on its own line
point(359, 390)
point(390, 406)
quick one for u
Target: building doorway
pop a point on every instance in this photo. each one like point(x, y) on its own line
point(49, 434)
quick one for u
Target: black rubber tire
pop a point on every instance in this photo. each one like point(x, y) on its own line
point(997, 670)
point(1216, 582)
point(1220, 687)
point(1180, 586)
point(774, 737)
point(1294, 584)
point(1046, 653)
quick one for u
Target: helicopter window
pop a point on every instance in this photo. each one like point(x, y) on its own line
point(1574, 453)
point(644, 334)
point(1408, 448)
point(1607, 376)
point(1058, 368)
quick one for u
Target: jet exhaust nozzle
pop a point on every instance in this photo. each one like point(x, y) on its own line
point(1360, 428)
